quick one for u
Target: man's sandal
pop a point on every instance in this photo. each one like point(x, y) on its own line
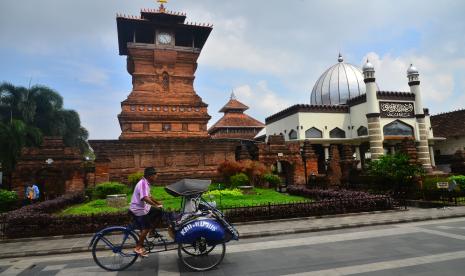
point(141, 252)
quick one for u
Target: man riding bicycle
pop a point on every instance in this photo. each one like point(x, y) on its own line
point(145, 209)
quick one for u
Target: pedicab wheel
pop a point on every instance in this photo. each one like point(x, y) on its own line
point(113, 251)
point(200, 256)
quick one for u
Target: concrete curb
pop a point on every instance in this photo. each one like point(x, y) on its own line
point(252, 234)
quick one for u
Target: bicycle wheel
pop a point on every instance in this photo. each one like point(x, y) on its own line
point(113, 251)
point(201, 256)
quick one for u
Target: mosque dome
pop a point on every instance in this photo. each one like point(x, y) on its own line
point(338, 84)
point(412, 70)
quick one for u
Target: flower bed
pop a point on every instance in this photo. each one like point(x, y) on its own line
point(328, 202)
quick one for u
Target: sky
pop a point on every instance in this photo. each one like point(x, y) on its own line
point(270, 53)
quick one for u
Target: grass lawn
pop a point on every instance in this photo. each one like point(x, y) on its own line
point(262, 196)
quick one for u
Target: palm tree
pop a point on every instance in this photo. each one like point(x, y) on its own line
point(28, 113)
point(13, 137)
point(42, 107)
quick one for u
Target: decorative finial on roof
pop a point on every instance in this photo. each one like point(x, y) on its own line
point(162, 7)
point(340, 59)
point(233, 96)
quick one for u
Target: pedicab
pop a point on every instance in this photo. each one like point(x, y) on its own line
point(199, 233)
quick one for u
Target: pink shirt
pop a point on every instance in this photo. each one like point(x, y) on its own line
point(139, 207)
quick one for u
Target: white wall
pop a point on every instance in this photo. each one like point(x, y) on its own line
point(320, 120)
point(450, 146)
point(358, 117)
point(285, 124)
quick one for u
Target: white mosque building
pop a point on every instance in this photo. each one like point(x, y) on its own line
point(347, 107)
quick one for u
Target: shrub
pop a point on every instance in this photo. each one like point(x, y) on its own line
point(240, 179)
point(396, 169)
point(429, 182)
point(460, 179)
point(253, 169)
point(273, 179)
point(229, 168)
point(133, 178)
point(8, 200)
point(226, 192)
point(89, 192)
point(109, 188)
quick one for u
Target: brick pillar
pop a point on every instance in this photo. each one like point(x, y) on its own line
point(102, 169)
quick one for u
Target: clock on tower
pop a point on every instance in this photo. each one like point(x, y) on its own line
point(162, 51)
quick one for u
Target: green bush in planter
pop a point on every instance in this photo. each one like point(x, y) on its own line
point(8, 200)
point(133, 178)
point(240, 179)
point(460, 179)
point(273, 179)
point(109, 188)
point(430, 182)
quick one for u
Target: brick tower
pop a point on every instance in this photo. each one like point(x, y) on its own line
point(162, 51)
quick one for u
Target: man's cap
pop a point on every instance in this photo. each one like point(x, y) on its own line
point(150, 171)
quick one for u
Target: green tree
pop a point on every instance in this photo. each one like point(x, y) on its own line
point(42, 107)
point(13, 137)
point(396, 170)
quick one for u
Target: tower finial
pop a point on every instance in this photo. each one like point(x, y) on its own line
point(162, 7)
point(233, 96)
point(340, 59)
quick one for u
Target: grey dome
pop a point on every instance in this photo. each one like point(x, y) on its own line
point(368, 66)
point(338, 84)
point(412, 70)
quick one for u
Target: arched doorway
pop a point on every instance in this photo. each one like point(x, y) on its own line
point(51, 182)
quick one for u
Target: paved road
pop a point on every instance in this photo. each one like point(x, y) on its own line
point(422, 248)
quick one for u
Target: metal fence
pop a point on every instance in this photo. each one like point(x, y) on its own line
point(441, 196)
point(2, 226)
point(308, 208)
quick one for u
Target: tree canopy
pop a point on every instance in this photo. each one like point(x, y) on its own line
point(27, 114)
point(396, 169)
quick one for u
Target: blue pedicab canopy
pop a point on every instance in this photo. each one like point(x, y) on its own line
point(188, 187)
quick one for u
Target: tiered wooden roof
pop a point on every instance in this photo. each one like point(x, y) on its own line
point(234, 117)
point(151, 19)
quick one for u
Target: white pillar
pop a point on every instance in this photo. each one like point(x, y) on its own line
point(358, 157)
point(393, 150)
point(326, 152)
point(373, 117)
point(423, 150)
point(326, 148)
point(414, 83)
point(370, 84)
point(431, 154)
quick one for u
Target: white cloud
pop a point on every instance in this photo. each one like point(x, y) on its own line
point(437, 82)
point(261, 98)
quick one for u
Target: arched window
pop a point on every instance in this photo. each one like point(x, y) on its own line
point(165, 81)
point(313, 132)
point(362, 131)
point(337, 133)
point(292, 135)
point(397, 128)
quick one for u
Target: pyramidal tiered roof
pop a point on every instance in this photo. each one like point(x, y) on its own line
point(234, 123)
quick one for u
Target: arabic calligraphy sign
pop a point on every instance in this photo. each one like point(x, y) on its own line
point(396, 110)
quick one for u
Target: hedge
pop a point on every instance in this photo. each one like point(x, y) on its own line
point(8, 200)
point(109, 188)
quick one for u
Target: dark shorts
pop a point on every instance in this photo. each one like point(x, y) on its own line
point(147, 221)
